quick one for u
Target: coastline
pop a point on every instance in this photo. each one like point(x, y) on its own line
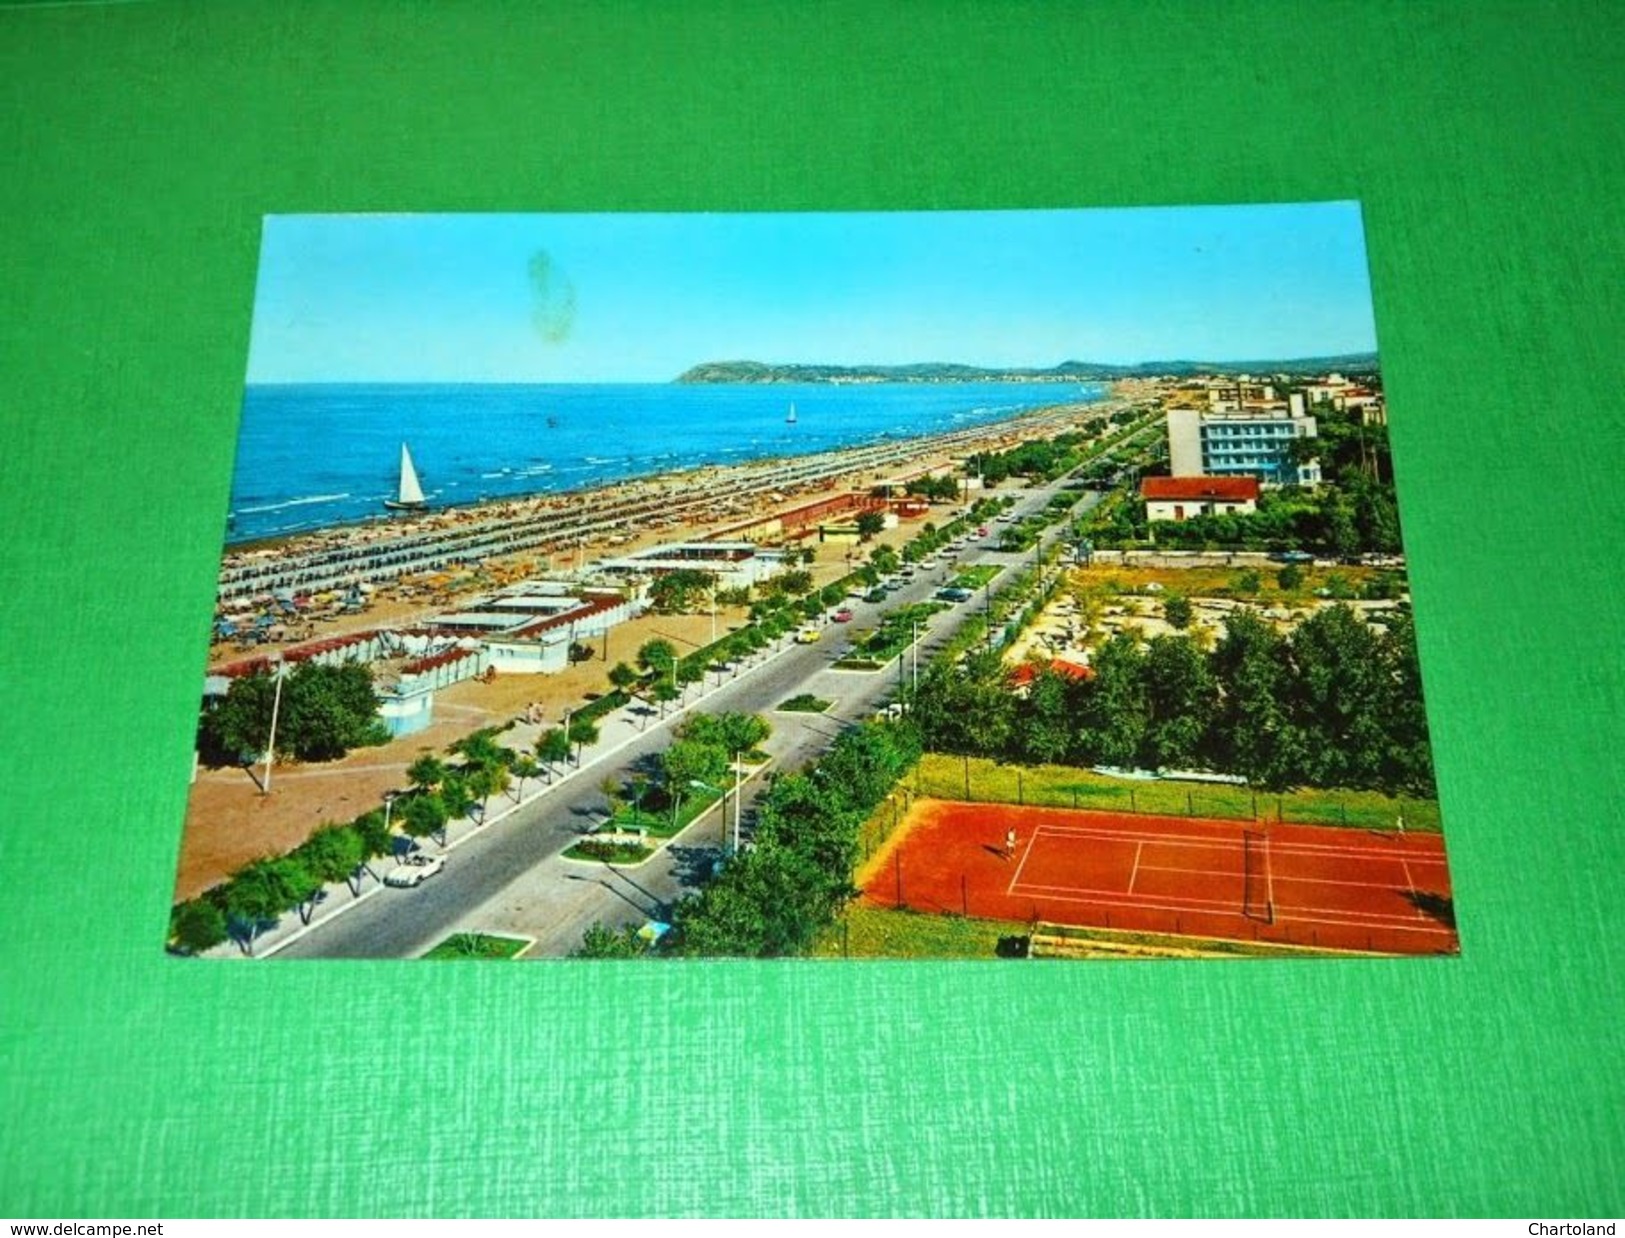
point(693, 503)
point(228, 823)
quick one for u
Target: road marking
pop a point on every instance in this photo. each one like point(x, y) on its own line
point(1135, 872)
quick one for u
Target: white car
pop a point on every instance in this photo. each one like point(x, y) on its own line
point(414, 870)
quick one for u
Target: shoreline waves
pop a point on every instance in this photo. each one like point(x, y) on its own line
point(687, 501)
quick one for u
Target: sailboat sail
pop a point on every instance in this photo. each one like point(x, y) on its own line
point(411, 491)
point(791, 419)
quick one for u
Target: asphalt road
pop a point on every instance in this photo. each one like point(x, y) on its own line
point(512, 879)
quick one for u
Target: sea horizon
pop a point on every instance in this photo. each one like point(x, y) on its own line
point(319, 455)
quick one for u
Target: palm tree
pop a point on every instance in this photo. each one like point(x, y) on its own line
point(552, 747)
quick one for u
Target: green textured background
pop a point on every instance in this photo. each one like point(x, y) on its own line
point(143, 142)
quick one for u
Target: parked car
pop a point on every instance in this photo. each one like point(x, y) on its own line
point(414, 870)
point(877, 594)
point(842, 616)
point(1292, 556)
point(808, 636)
point(954, 595)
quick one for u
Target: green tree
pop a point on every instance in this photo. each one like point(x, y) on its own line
point(657, 656)
point(601, 942)
point(688, 761)
point(238, 728)
point(1180, 696)
point(1339, 534)
point(327, 710)
point(766, 907)
point(552, 746)
point(1410, 752)
point(258, 895)
point(1177, 610)
point(884, 560)
point(426, 773)
point(376, 838)
point(1290, 578)
point(677, 591)
point(197, 925)
point(690, 670)
point(484, 781)
point(870, 524)
point(482, 749)
point(524, 767)
point(1253, 733)
point(583, 734)
point(1113, 709)
point(334, 853)
point(424, 814)
point(961, 712)
point(1343, 691)
point(1045, 725)
point(622, 676)
point(794, 584)
point(665, 692)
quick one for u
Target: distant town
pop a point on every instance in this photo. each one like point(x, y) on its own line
point(1123, 676)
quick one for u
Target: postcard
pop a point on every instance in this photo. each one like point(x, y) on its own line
point(1000, 585)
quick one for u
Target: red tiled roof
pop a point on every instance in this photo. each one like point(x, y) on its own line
point(1226, 489)
point(591, 605)
point(1027, 672)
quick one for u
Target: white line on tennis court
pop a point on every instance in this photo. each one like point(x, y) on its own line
point(1031, 843)
point(1135, 872)
point(1205, 840)
point(1269, 877)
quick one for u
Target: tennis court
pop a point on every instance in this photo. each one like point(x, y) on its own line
point(1302, 885)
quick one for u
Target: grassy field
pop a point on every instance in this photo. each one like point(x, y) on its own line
point(1226, 582)
point(478, 946)
point(1058, 786)
point(880, 933)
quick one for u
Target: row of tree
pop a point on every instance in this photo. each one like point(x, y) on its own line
point(263, 891)
point(1335, 703)
point(772, 899)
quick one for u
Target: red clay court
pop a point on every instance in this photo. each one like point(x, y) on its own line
point(1301, 885)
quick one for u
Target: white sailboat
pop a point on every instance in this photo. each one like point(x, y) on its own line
point(411, 491)
point(791, 419)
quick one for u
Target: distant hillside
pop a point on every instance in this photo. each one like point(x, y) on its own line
point(1066, 372)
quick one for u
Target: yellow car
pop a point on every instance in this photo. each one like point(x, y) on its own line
point(808, 636)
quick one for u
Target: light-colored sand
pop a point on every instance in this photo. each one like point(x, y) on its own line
point(229, 822)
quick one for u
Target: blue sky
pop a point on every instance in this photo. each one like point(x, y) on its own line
point(640, 298)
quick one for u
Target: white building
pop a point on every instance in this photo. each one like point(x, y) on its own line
point(1241, 444)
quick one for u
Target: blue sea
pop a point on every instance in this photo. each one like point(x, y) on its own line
point(314, 456)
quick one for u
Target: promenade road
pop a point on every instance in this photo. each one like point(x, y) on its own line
point(511, 878)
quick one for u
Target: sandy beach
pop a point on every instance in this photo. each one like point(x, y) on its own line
point(230, 823)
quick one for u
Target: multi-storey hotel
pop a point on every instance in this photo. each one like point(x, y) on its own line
point(1241, 443)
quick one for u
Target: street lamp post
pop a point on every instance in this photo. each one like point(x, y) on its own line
point(567, 712)
point(738, 783)
point(914, 650)
point(276, 705)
